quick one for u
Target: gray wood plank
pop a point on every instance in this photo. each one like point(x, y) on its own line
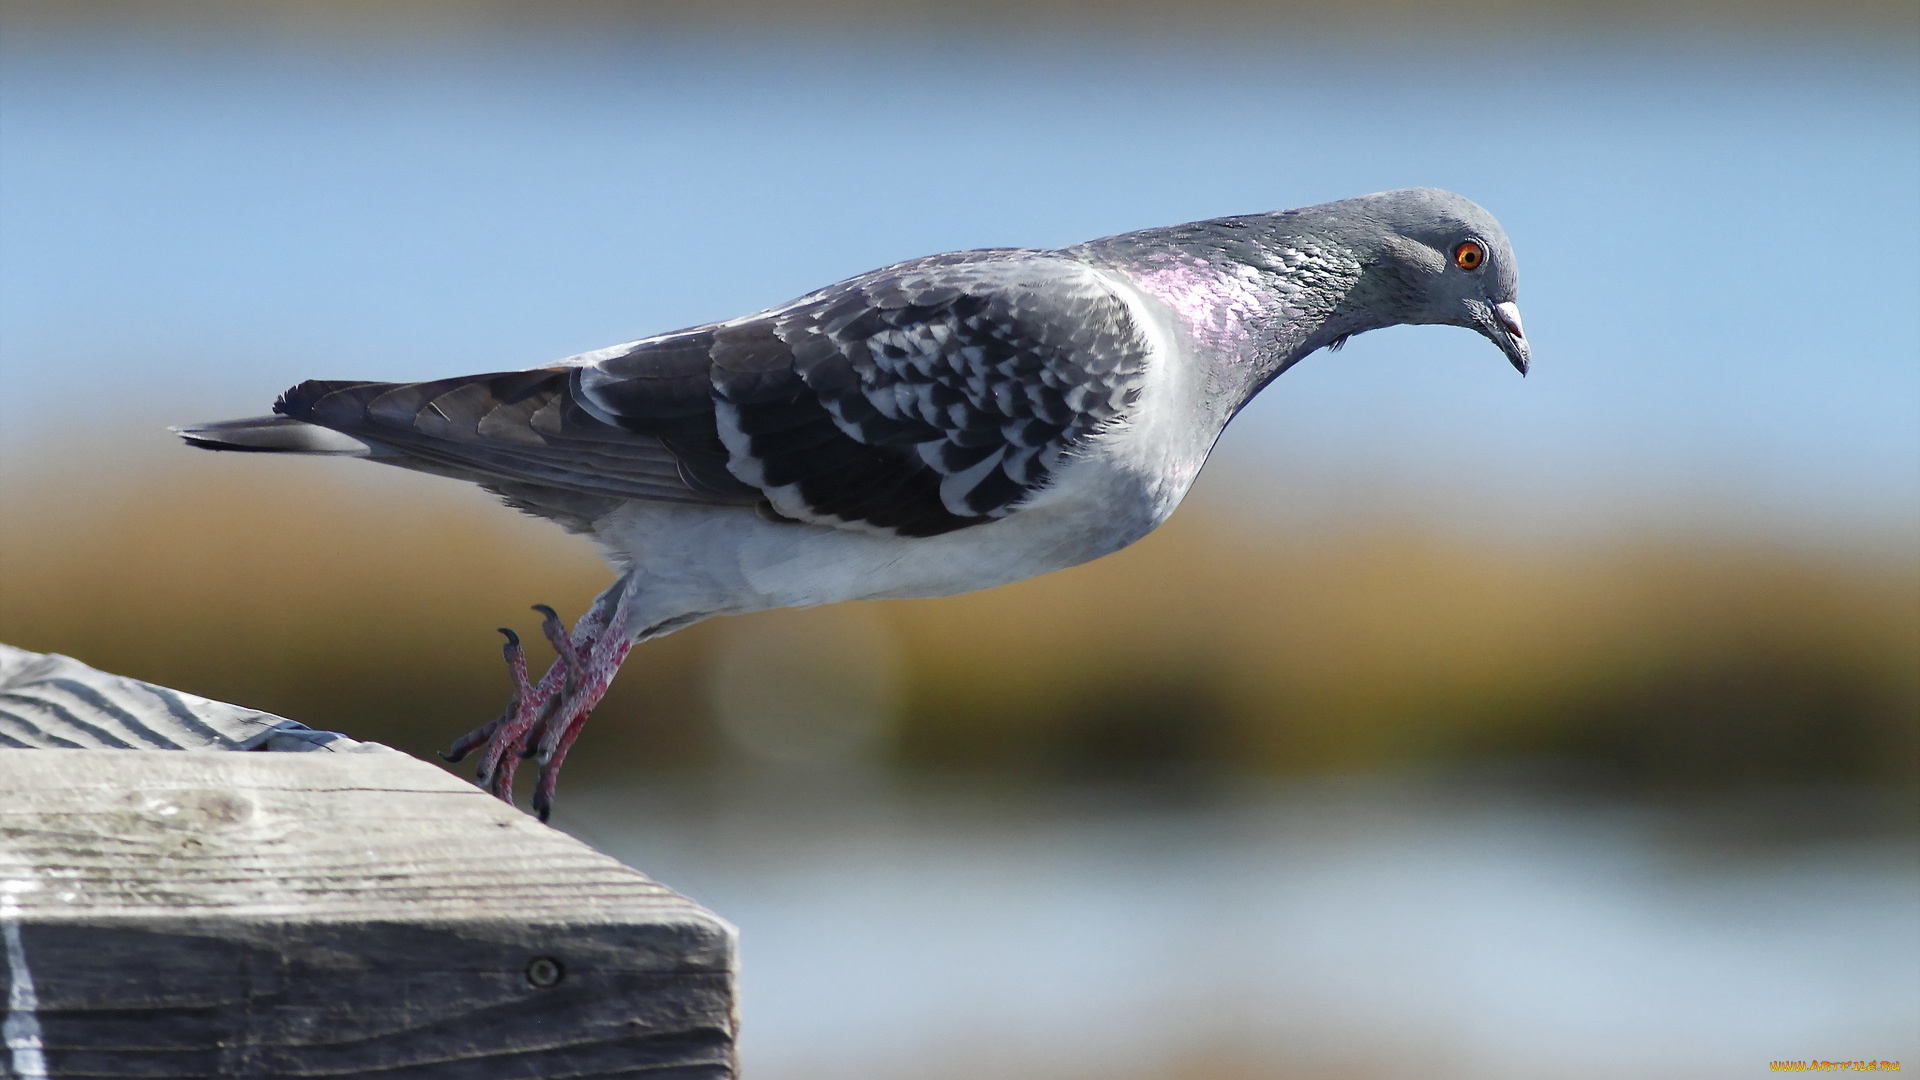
point(219, 914)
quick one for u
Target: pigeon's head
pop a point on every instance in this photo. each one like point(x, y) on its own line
point(1431, 256)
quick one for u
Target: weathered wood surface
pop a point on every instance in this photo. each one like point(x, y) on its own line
point(54, 702)
point(315, 914)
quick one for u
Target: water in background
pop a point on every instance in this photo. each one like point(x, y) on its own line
point(1435, 928)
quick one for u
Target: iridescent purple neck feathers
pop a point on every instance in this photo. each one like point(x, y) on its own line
point(1252, 296)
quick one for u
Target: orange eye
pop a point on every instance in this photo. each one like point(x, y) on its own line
point(1469, 255)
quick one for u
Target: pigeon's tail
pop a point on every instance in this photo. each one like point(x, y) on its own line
point(271, 435)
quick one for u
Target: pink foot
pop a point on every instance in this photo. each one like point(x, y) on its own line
point(544, 718)
point(557, 736)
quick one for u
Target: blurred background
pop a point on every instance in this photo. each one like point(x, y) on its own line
point(1459, 726)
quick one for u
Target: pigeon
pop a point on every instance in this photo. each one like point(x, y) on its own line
point(933, 427)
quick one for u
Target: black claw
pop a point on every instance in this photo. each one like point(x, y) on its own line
point(556, 632)
point(451, 757)
point(513, 639)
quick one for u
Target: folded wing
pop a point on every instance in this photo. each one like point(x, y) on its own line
point(918, 399)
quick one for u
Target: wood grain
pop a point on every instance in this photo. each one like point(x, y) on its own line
point(54, 702)
point(235, 914)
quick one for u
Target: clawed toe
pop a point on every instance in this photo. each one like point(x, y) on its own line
point(563, 643)
point(544, 718)
point(496, 767)
point(517, 667)
point(462, 746)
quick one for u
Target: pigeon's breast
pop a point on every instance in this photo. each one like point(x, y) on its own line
point(1140, 467)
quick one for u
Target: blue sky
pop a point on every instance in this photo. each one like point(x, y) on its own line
point(1716, 239)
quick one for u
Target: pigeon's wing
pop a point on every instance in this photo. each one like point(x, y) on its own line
point(921, 398)
point(917, 399)
point(521, 431)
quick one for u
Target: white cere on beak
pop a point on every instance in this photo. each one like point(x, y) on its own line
point(1509, 315)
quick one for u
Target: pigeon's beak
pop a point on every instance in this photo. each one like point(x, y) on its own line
point(1501, 325)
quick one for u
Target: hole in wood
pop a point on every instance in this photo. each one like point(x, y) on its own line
point(544, 972)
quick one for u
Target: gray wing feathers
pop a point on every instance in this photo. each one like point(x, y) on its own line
point(924, 397)
point(516, 428)
point(917, 399)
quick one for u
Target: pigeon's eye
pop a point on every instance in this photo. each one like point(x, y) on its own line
point(1469, 255)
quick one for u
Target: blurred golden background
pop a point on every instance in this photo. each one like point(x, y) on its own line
point(363, 603)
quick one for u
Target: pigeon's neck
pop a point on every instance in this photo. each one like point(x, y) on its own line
point(1252, 295)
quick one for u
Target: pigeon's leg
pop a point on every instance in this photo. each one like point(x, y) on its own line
point(532, 708)
point(549, 779)
point(594, 664)
point(499, 741)
point(536, 707)
point(557, 735)
point(553, 741)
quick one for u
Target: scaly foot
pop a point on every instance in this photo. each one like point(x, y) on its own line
point(544, 718)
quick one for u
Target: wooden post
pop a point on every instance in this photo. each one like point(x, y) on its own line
point(198, 913)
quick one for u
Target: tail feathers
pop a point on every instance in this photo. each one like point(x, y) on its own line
point(271, 435)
